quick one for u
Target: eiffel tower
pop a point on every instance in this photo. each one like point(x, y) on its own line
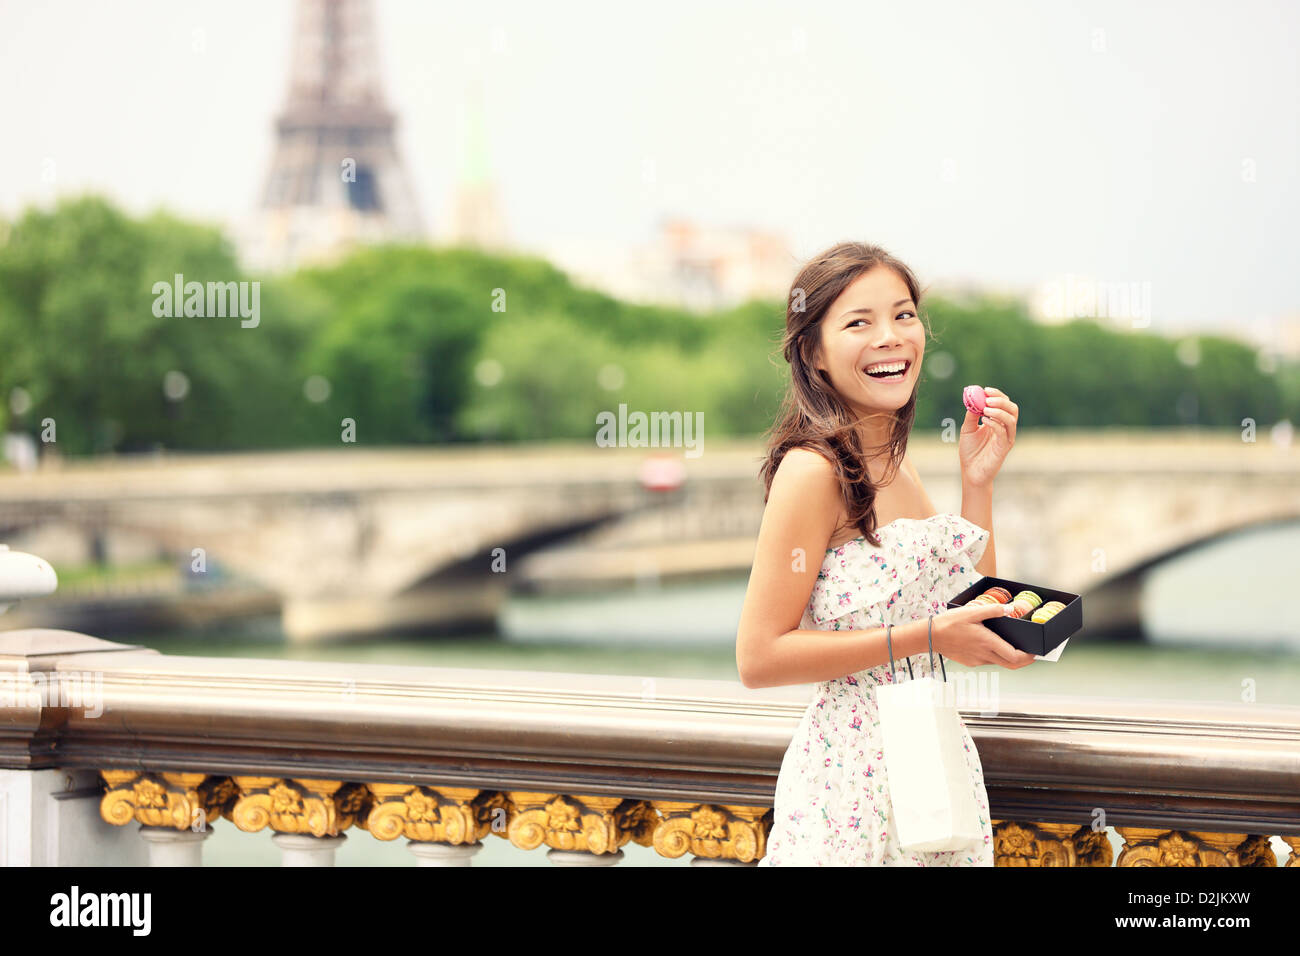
point(336, 178)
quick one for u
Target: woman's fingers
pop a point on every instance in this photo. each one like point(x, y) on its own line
point(1002, 401)
point(1008, 654)
point(1004, 419)
point(997, 423)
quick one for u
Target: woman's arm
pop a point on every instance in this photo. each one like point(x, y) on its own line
point(977, 508)
point(982, 449)
point(803, 506)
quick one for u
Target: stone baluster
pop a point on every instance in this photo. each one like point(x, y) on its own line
point(443, 854)
point(172, 847)
point(443, 825)
point(175, 810)
point(303, 849)
point(582, 858)
point(581, 830)
point(716, 834)
point(307, 815)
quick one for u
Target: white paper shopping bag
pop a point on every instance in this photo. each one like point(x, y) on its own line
point(930, 786)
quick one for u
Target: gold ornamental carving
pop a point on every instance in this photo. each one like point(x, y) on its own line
point(594, 824)
point(181, 801)
point(1049, 844)
point(712, 831)
point(1152, 846)
point(1256, 851)
point(1092, 848)
point(455, 815)
point(316, 807)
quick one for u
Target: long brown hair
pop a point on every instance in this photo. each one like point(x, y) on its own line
point(813, 415)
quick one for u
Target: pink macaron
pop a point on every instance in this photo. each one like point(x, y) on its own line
point(972, 397)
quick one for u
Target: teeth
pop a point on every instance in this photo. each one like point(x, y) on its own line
point(886, 367)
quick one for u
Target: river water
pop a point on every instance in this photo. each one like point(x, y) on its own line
point(1217, 621)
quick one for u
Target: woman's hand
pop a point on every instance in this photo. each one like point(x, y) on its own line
point(983, 448)
point(960, 636)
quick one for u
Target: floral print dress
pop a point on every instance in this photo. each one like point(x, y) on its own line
point(832, 795)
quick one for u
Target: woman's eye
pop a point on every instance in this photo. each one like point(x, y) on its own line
point(867, 322)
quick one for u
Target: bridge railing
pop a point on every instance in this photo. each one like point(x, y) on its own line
point(149, 752)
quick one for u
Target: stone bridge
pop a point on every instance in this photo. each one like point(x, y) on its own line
point(358, 541)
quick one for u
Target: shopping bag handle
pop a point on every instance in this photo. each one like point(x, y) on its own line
point(929, 639)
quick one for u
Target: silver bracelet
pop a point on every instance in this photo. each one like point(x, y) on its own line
point(929, 638)
point(889, 644)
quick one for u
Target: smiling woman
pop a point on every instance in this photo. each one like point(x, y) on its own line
point(885, 345)
point(858, 310)
point(855, 343)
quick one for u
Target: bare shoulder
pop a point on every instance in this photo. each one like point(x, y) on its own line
point(804, 471)
point(805, 485)
point(806, 463)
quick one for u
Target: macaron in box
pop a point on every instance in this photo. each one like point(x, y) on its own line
point(1041, 621)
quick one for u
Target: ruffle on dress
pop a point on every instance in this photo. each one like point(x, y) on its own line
point(879, 577)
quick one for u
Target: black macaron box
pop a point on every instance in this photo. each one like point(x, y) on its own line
point(1020, 632)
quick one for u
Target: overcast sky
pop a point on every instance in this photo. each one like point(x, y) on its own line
point(1006, 143)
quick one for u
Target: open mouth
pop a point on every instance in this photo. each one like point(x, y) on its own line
point(890, 372)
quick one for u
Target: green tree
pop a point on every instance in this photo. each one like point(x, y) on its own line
point(398, 361)
point(78, 332)
point(540, 377)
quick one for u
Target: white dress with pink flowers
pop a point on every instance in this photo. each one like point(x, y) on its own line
point(832, 795)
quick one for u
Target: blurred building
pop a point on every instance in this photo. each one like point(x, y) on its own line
point(1288, 339)
point(336, 178)
point(685, 264)
point(1127, 306)
point(476, 216)
point(972, 292)
point(1276, 335)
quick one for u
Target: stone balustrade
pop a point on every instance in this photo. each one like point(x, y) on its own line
point(152, 752)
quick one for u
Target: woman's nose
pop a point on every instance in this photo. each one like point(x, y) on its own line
point(888, 335)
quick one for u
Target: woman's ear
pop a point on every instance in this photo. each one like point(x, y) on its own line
point(816, 364)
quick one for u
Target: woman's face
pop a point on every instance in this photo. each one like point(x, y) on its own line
point(873, 321)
